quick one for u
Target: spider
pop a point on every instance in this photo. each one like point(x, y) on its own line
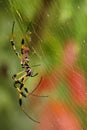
point(27, 72)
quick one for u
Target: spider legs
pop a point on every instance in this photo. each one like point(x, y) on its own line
point(15, 75)
point(21, 106)
point(14, 48)
point(34, 75)
point(20, 103)
point(13, 43)
point(21, 81)
point(21, 94)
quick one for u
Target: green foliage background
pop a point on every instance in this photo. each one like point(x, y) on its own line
point(66, 19)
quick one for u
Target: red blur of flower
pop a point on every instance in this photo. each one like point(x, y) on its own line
point(49, 81)
point(77, 85)
point(72, 74)
point(57, 116)
point(70, 54)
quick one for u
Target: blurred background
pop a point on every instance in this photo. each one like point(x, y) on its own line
point(58, 42)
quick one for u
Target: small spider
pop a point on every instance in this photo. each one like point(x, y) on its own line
point(27, 72)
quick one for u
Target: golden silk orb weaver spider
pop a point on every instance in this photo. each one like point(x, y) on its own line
point(26, 73)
